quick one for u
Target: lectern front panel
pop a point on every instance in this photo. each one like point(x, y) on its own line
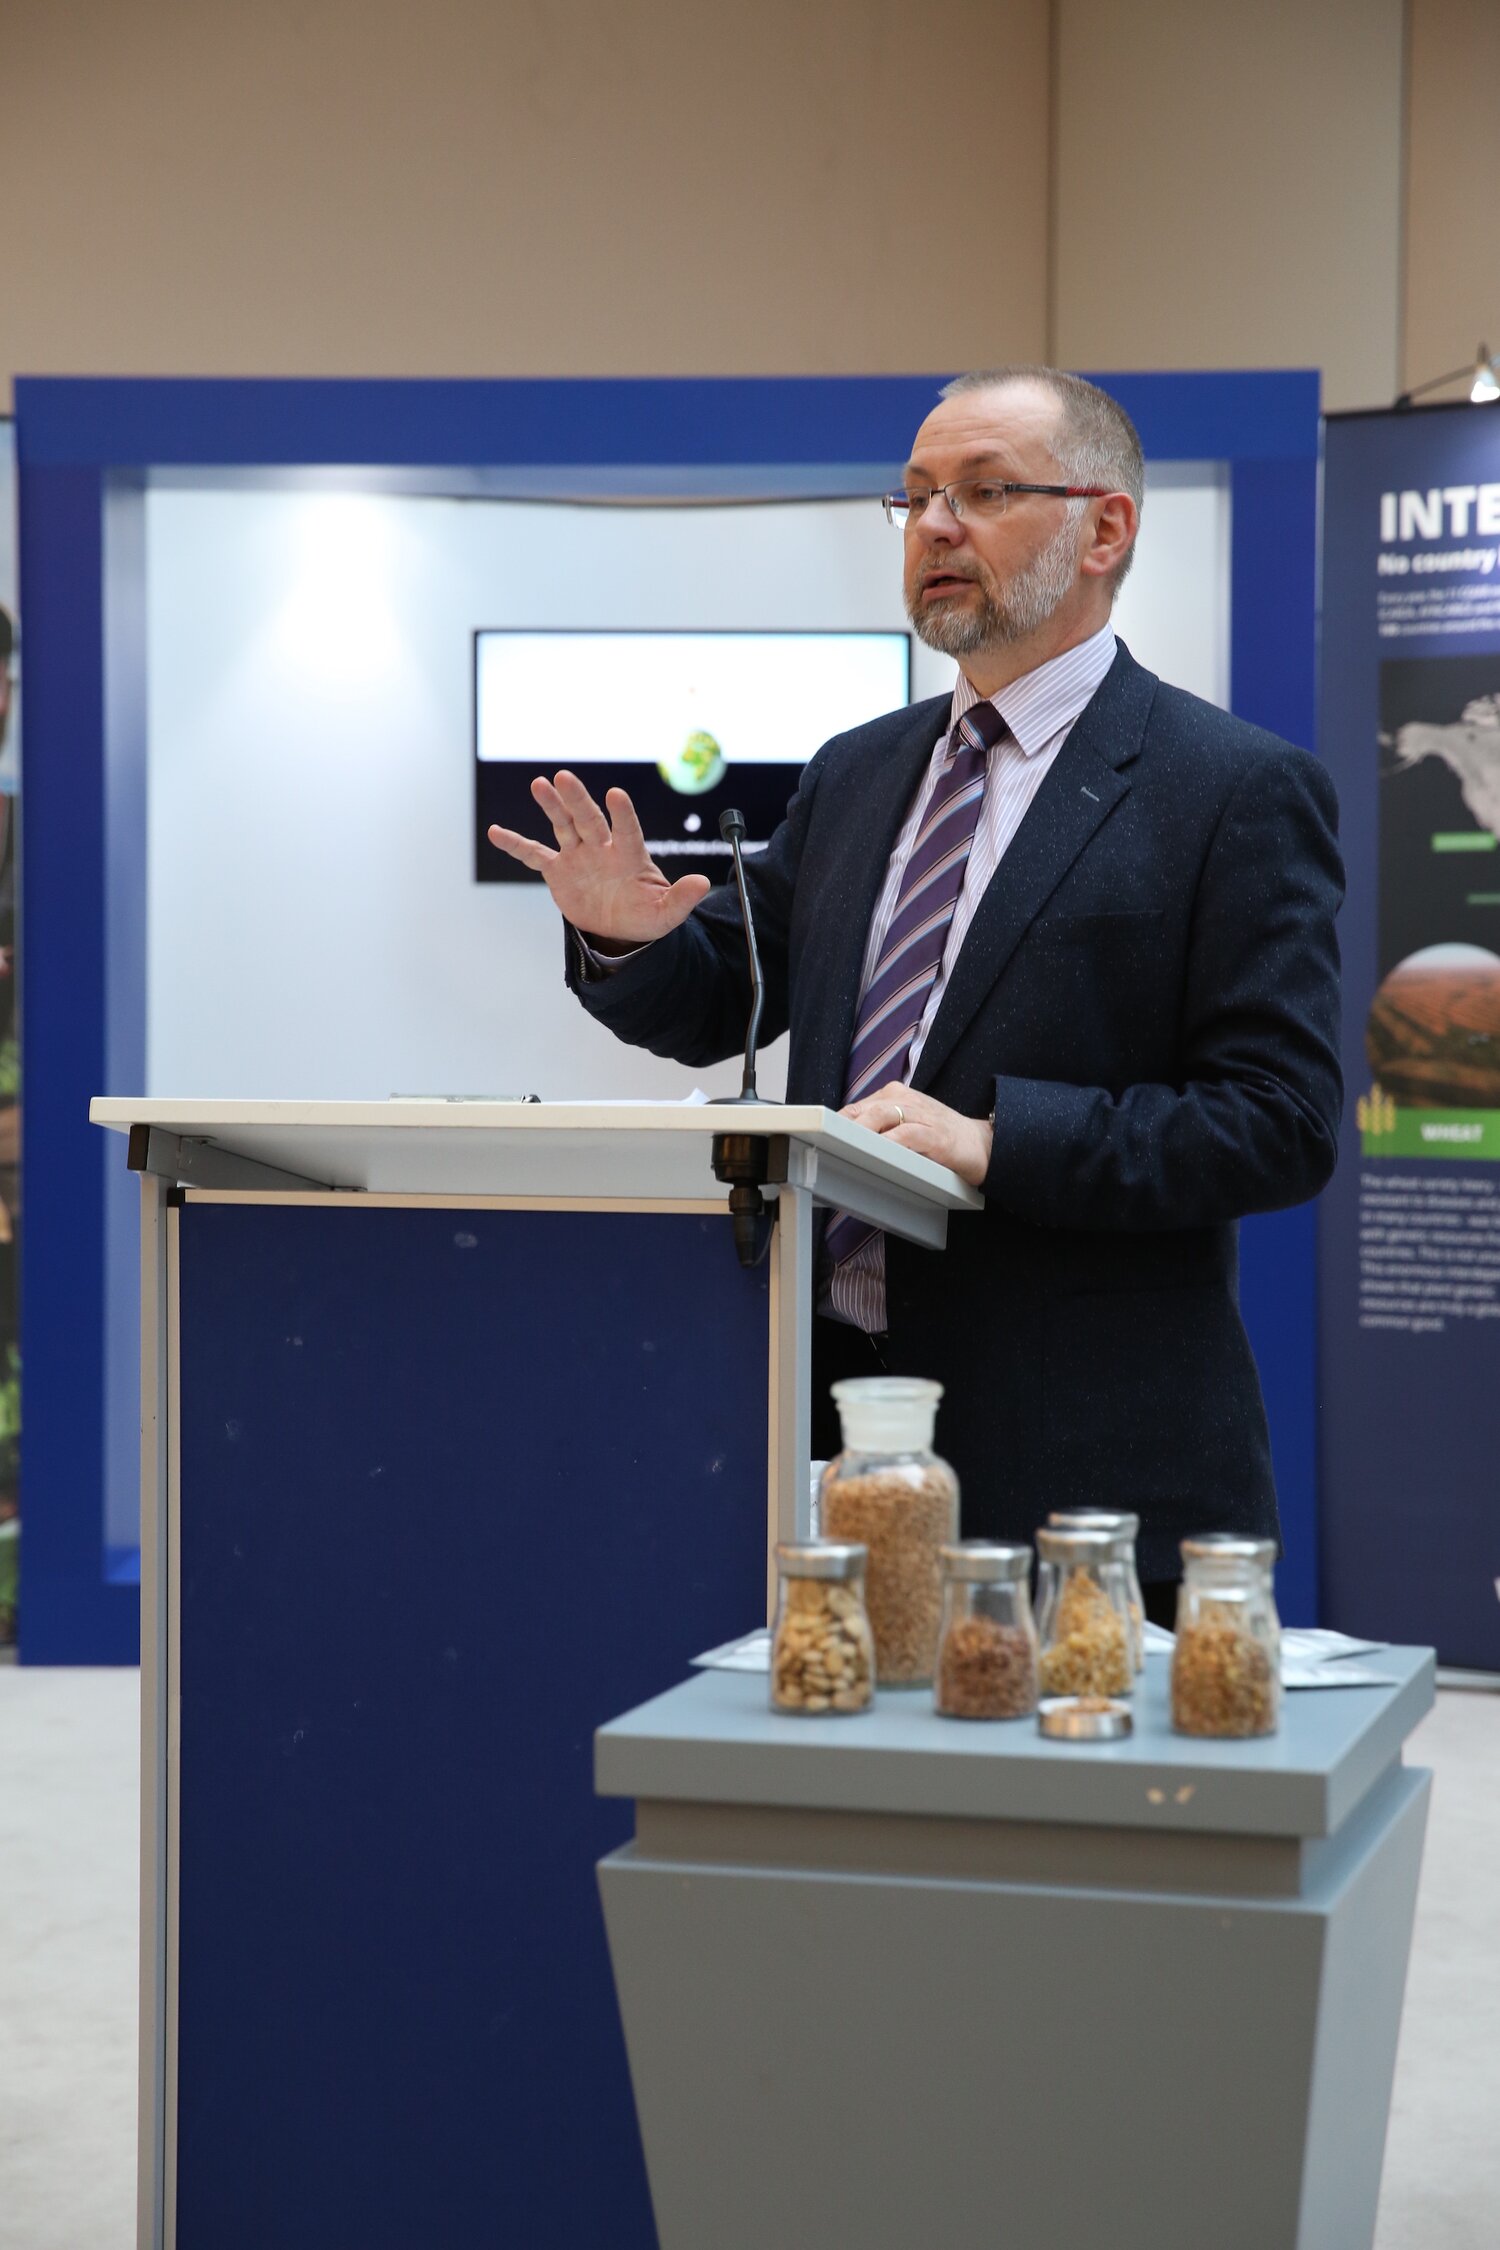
point(456, 1486)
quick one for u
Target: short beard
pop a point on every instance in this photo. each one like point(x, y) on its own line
point(1007, 615)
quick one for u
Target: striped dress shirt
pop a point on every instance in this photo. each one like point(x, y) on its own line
point(1040, 711)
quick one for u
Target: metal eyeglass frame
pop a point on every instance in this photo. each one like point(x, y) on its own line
point(895, 503)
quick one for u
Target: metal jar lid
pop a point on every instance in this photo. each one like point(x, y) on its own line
point(1084, 1718)
point(1118, 1520)
point(1225, 1546)
point(985, 1562)
point(1076, 1546)
point(821, 1558)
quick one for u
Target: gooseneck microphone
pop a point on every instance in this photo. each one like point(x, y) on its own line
point(742, 1160)
point(732, 829)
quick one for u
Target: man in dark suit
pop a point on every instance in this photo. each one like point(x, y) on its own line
point(1070, 933)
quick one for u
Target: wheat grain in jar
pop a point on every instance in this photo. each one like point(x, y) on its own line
point(892, 1493)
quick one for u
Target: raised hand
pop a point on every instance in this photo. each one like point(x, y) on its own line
point(602, 878)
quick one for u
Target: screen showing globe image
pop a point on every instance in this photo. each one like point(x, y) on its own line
point(688, 723)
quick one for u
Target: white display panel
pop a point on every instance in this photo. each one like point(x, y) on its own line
point(767, 699)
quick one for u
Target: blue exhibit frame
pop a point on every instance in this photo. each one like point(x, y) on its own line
point(87, 451)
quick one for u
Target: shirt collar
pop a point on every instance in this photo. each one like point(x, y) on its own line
point(1041, 703)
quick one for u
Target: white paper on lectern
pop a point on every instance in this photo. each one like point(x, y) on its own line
point(1317, 1644)
point(750, 1653)
point(1334, 1675)
point(697, 1099)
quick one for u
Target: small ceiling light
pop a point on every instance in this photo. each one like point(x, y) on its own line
point(1484, 384)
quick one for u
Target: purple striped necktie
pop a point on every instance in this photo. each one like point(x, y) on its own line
point(912, 953)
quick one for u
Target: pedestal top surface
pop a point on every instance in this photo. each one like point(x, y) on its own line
point(715, 1740)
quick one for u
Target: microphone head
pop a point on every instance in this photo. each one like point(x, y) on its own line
point(732, 824)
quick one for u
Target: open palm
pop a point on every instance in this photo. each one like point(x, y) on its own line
point(601, 876)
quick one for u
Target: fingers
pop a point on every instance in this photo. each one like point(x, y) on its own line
point(927, 1128)
point(533, 855)
point(681, 897)
point(911, 1120)
point(629, 836)
point(575, 817)
point(587, 819)
point(889, 1109)
point(563, 826)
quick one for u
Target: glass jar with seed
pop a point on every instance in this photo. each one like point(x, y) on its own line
point(1226, 1666)
point(987, 1650)
point(890, 1491)
point(1126, 1529)
point(1083, 1614)
point(822, 1654)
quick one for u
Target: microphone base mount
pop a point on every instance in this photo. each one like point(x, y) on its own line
point(748, 1162)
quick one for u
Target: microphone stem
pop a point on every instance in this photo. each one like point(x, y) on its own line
point(757, 981)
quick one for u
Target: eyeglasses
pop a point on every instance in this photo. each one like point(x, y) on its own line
point(980, 498)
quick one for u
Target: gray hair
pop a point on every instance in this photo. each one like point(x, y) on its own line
point(1095, 442)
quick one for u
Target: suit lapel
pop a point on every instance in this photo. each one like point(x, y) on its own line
point(1079, 794)
point(887, 783)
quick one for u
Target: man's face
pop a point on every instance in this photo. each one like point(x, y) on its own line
point(971, 584)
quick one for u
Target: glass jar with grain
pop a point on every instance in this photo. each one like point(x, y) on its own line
point(1126, 1528)
point(1083, 1614)
point(891, 1492)
point(987, 1649)
point(1226, 1666)
point(822, 1657)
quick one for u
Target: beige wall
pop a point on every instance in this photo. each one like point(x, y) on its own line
point(479, 187)
point(1229, 188)
point(579, 186)
point(1452, 295)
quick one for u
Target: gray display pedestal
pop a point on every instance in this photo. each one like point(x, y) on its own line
point(896, 1979)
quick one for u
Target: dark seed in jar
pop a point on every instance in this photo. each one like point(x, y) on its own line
point(986, 1670)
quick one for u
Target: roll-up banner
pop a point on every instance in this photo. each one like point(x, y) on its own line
point(1410, 1228)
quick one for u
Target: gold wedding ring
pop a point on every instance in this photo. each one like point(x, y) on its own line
point(900, 1114)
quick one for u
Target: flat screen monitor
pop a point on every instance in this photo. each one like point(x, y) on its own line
point(686, 723)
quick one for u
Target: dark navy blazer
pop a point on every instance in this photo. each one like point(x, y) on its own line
point(1148, 999)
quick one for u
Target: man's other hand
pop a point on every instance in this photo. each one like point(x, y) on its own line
point(929, 1128)
point(602, 878)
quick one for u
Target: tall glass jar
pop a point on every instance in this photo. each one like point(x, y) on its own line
point(1083, 1614)
point(890, 1491)
point(987, 1650)
point(1126, 1529)
point(822, 1656)
point(1226, 1667)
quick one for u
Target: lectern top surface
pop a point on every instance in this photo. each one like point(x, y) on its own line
point(420, 1145)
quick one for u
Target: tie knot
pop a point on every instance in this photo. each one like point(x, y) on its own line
point(981, 727)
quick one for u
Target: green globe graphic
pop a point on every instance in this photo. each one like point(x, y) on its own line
point(697, 766)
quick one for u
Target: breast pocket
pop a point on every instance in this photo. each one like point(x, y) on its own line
point(1131, 925)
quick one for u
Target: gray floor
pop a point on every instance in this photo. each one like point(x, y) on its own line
point(67, 1976)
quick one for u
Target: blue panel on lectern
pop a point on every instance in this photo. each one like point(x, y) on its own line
point(457, 1486)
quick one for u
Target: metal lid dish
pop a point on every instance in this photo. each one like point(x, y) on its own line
point(1084, 1718)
